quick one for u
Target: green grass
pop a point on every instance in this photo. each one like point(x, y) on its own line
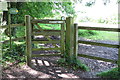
point(104, 35)
point(113, 73)
point(50, 26)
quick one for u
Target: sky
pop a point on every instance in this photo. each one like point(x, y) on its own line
point(98, 10)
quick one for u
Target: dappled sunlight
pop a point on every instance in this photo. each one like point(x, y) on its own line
point(84, 44)
point(46, 63)
point(68, 75)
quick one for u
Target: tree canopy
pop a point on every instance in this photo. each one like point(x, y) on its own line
point(41, 9)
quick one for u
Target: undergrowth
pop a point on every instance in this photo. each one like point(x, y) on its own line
point(15, 54)
point(74, 64)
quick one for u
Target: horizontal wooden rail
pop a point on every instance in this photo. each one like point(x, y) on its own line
point(37, 49)
point(36, 30)
point(12, 25)
point(46, 33)
point(98, 44)
point(40, 55)
point(97, 58)
point(21, 38)
point(41, 39)
point(53, 41)
point(99, 28)
point(48, 21)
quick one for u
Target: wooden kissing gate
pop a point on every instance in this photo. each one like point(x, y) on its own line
point(69, 39)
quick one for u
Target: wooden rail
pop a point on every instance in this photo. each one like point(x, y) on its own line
point(37, 49)
point(37, 30)
point(48, 21)
point(46, 33)
point(98, 44)
point(53, 41)
point(99, 28)
point(40, 55)
point(97, 58)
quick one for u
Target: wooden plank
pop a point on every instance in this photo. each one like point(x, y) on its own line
point(41, 55)
point(46, 33)
point(36, 30)
point(69, 37)
point(37, 49)
point(38, 26)
point(99, 28)
point(41, 39)
point(62, 41)
point(28, 39)
point(98, 44)
point(97, 58)
point(75, 40)
point(53, 41)
point(48, 21)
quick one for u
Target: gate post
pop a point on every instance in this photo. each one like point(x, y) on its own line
point(28, 39)
point(62, 38)
point(119, 52)
point(69, 37)
point(75, 40)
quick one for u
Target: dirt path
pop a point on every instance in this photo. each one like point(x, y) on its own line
point(46, 67)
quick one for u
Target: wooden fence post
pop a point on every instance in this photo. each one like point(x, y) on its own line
point(69, 37)
point(75, 40)
point(119, 52)
point(9, 25)
point(28, 39)
point(63, 38)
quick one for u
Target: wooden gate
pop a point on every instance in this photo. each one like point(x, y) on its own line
point(31, 40)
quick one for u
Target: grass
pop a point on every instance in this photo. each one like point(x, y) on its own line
point(104, 35)
point(50, 26)
point(113, 73)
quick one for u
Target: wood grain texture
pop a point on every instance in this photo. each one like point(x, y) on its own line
point(28, 39)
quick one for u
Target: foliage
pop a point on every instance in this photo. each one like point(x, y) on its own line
point(40, 9)
point(74, 63)
point(113, 73)
point(34, 9)
point(106, 20)
point(17, 53)
point(86, 33)
point(67, 8)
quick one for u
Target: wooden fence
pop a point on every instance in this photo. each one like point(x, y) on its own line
point(11, 26)
point(76, 42)
point(68, 42)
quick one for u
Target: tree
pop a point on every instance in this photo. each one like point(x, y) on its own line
point(40, 9)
